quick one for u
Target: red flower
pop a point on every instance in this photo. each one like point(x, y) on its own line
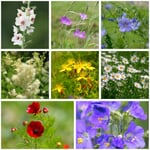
point(45, 110)
point(34, 108)
point(35, 129)
point(66, 146)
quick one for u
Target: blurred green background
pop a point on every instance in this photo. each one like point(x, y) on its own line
point(40, 36)
point(62, 39)
point(13, 113)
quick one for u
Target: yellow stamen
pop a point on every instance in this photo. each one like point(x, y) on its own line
point(80, 140)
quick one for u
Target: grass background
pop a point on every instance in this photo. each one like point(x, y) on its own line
point(60, 39)
point(13, 113)
point(40, 36)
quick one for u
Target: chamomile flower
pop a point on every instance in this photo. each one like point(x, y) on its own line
point(121, 67)
point(137, 85)
point(134, 59)
point(108, 68)
point(118, 76)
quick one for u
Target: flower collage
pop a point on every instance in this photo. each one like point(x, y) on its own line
point(74, 74)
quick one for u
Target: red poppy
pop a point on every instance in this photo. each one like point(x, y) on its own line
point(34, 108)
point(35, 129)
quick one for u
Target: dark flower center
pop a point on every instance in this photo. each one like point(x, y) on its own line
point(35, 131)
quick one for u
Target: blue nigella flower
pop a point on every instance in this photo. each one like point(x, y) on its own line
point(103, 32)
point(126, 25)
point(108, 6)
point(135, 110)
point(118, 142)
point(133, 137)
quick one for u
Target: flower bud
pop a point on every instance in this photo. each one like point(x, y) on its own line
point(59, 144)
point(65, 146)
point(45, 110)
point(24, 123)
point(13, 129)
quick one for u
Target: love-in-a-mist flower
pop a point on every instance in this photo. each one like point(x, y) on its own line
point(34, 108)
point(133, 137)
point(135, 110)
point(80, 34)
point(83, 16)
point(65, 20)
point(35, 129)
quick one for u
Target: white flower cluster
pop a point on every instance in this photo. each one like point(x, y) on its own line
point(23, 25)
point(120, 69)
point(25, 78)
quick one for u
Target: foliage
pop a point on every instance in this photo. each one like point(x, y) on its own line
point(25, 75)
point(75, 75)
point(125, 25)
point(125, 75)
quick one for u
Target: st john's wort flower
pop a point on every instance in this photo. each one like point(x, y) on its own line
point(35, 129)
point(80, 34)
point(83, 16)
point(135, 110)
point(34, 108)
point(133, 137)
point(65, 20)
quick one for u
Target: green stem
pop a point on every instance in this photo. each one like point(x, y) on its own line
point(35, 143)
point(28, 4)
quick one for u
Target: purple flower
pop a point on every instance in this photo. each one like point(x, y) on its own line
point(133, 137)
point(118, 142)
point(83, 141)
point(65, 20)
point(105, 141)
point(124, 24)
point(112, 105)
point(82, 137)
point(103, 46)
point(108, 6)
point(83, 16)
point(135, 24)
point(135, 110)
point(99, 117)
point(80, 34)
point(103, 32)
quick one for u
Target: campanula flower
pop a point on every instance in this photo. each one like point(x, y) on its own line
point(66, 21)
point(80, 34)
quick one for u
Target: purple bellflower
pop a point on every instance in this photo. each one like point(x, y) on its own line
point(135, 110)
point(133, 137)
point(65, 20)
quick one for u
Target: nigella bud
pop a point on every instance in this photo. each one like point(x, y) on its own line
point(45, 110)
point(59, 144)
point(24, 123)
point(13, 129)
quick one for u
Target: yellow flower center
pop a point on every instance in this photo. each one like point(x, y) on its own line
point(80, 140)
point(107, 144)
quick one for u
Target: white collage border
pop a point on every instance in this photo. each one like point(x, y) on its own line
point(51, 50)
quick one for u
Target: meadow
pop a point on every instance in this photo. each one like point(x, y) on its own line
point(125, 75)
point(75, 25)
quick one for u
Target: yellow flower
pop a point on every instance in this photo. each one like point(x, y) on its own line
point(59, 88)
point(71, 61)
point(79, 66)
point(65, 67)
point(88, 66)
point(82, 76)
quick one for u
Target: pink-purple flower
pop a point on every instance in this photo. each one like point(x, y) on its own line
point(80, 34)
point(83, 16)
point(66, 21)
